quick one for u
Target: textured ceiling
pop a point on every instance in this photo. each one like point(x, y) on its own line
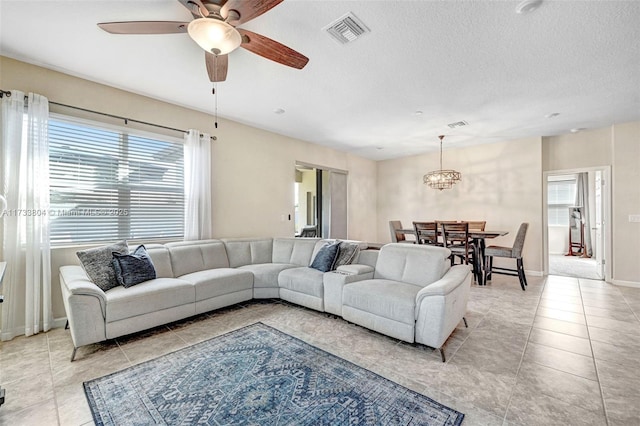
point(476, 61)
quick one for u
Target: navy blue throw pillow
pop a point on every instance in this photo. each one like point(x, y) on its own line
point(134, 268)
point(325, 257)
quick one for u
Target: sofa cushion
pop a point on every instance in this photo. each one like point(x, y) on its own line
point(217, 282)
point(417, 264)
point(149, 296)
point(161, 260)
point(248, 251)
point(133, 268)
point(266, 274)
point(325, 258)
point(298, 251)
point(97, 263)
point(194, 256)
point(385, 298)
point(303, 280)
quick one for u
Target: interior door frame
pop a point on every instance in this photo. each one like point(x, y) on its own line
point(320, 203)
point(606, 215)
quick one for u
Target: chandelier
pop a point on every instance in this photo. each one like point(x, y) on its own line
point(442, 179)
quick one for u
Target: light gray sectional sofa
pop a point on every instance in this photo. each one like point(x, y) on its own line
point(406, 292)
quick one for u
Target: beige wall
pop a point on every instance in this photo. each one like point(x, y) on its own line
point(501, 183)
point(626, 201)
point(253, 170)
point(589, 148)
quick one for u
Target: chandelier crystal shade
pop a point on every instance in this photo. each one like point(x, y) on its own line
point(442, 179)
point(214, 36)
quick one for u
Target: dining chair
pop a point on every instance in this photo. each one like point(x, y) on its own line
point(397, 236)
point(477, 225)
point(426, 233)
point(455, 237)
point(513, 252)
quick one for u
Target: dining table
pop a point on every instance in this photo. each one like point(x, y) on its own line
point(478, 238)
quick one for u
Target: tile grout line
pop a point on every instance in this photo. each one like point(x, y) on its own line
point(53, 389)
point(595, 364)
point(524, 351)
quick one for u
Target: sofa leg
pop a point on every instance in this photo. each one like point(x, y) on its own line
point(442, 355)
point(73, 354)
point(465, 322)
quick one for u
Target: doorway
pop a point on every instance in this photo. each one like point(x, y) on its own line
point(320, 202)
point(576, 212)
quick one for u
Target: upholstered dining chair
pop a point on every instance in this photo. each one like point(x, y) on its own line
point(397, 236)
point(426, 233)
point(514, 252)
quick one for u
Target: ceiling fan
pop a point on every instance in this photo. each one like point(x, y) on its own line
point(214, 29)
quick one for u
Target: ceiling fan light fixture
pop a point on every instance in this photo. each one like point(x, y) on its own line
point(214, 36)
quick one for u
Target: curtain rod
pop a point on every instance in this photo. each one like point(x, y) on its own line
point(125, 119)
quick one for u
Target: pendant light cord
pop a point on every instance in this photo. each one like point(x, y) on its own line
point(441, 137)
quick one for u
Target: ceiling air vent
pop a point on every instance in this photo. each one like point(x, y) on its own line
point(458, 124)
point(346, 28)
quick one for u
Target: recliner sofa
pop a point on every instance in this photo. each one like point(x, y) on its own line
point(406, 292)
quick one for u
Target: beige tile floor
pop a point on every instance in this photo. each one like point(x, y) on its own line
point(565, 352)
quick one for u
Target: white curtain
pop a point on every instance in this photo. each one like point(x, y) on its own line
point(197, 185)
point(24, 146)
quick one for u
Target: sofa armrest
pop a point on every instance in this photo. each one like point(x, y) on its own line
point(75, 279)
point(85, 304)
point(335, 281)
point(354, 269)
point(440, 306)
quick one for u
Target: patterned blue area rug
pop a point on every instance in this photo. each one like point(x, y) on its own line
point(257, 375)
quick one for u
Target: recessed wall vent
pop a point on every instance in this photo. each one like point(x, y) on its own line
point(347, 29)
point(458, 124)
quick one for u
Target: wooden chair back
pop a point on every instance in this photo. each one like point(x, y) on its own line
point(478, 225)
point(455, 237)
point(426, 232)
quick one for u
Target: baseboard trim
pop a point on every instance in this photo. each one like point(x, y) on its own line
point(621, 283)
point(59, 322)
point(534, 273)
point(20, 330)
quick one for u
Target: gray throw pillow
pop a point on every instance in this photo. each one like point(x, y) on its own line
point(325, 257)
point(97, 263)
point(134, 268)
point(347, 252)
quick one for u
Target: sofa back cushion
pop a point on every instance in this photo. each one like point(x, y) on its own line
point(248, 251)
point(194, 256)
point(415, 264)
point(297, 251)
point(160, 257)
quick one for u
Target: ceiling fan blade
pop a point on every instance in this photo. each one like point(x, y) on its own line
point(144, 27)
point(197, 9)
point(247, 9)
point(217, 66)
point(271, 49)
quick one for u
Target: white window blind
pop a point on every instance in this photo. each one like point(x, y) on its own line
point(108, 184)
point(561, 194)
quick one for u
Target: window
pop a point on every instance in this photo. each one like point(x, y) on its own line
point(561, 194)
point(108, 184)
